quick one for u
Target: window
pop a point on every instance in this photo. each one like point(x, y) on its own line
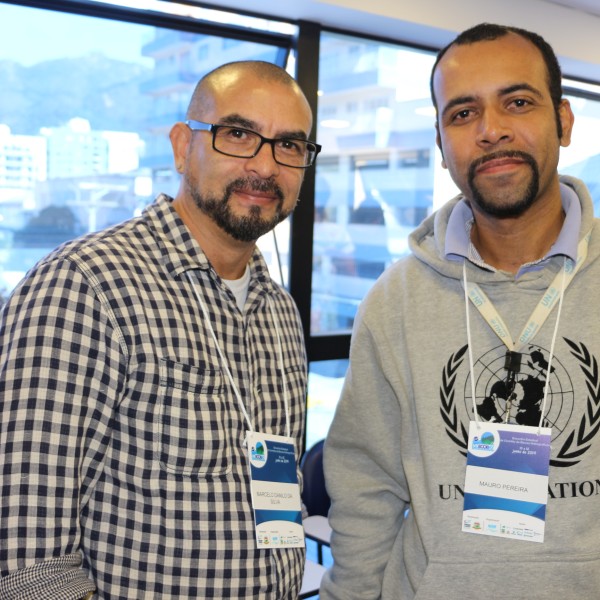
point(582, 158)
point(84, 121)
point(325, 382)
point(382, 182)
point(85, 118)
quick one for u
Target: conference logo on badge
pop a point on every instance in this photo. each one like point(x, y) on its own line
point(485, 444)
point(258, 454)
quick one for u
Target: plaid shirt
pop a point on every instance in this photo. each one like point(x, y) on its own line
point(121, 458)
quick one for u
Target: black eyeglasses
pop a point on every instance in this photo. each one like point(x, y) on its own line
point(245, 143)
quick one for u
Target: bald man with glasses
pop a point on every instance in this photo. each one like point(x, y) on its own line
point(140, 366)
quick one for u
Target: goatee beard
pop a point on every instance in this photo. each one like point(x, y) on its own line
point(511, 207)
point(246, 228)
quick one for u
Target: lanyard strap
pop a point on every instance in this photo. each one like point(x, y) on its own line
point(541, 312)
point(476, 295)
point(225, 365)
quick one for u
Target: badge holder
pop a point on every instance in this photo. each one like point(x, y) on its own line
point(275, 491)
point(506, 485)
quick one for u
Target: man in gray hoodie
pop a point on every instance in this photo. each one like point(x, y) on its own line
point(492, 323)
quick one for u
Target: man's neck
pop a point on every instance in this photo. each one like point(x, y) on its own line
point(228, 256)
point(507, 244)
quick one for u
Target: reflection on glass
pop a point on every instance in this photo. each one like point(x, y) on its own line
point(375, 175)
point(582, 157)
point(325, 380)
point(84, 123)
point(380, 174)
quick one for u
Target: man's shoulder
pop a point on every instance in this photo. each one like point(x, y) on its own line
point(119, 243)
point(127, 243)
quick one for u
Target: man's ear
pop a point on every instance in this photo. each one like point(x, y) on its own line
point(180, 136)
point(438, 142)
point(567, 118)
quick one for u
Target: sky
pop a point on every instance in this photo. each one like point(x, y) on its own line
point(61, 35)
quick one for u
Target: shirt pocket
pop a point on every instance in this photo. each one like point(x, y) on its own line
point(193, 413)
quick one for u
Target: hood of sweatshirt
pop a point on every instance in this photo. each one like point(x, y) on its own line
point(427, 241)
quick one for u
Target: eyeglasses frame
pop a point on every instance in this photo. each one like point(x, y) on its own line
point(214, 128)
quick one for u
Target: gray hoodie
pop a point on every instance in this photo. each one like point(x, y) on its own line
point(395, 456)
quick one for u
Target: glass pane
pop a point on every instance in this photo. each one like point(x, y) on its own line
point(84, 122)
point(325, 380)
point(375, 175)
point(582, 158)
point(380, 172)
point(275, 248)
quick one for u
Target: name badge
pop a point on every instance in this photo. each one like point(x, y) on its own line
point(506, 485)
point(275, 491)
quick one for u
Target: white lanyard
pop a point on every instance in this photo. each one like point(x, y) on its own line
point(488, 311)
point(236, 391)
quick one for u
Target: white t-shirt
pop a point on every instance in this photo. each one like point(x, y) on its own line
point(239, 287)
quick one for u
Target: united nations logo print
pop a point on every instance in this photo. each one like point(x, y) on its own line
point(571, 434)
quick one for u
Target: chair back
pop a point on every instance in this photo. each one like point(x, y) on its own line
point(314, 493)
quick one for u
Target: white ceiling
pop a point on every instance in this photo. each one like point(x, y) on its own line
point(589, 6)
point(434, 23)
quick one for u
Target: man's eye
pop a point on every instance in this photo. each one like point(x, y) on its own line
point(461, 115)
point(290, 146)
point(238, 134)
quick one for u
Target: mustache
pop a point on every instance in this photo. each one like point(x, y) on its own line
point(527, 158)
point(255, 184)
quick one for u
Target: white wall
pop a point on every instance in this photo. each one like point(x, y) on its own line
point(574, 34)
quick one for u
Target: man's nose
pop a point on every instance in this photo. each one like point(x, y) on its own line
point(263, 163)
point(494, 128)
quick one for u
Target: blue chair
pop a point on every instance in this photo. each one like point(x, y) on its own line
point(315, 498)
point(314, 493)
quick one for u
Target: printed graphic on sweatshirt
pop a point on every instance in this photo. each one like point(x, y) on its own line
point(572, 434)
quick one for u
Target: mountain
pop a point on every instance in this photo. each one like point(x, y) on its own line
point(102, 90)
